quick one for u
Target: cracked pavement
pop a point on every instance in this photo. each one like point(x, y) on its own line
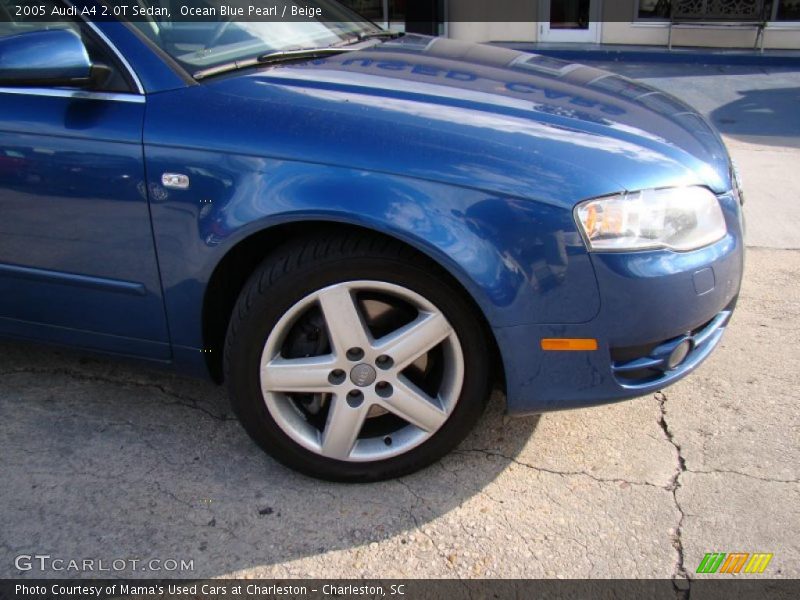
point(103, 459)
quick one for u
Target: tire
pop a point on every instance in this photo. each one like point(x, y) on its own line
point(305, 405)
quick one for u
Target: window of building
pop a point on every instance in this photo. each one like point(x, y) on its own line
point(777, 10)
point(418, 16)
point(787, 10)
point(653, 9)
point(386, 13)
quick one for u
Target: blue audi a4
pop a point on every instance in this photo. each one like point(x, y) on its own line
point(359, 232)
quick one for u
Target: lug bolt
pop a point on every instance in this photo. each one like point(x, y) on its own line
point(355, 399)
point(384, 389)
point(355, 354)
point(384, 362)
point(337, 377)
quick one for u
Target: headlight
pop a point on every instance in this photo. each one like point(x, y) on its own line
point(677, 218)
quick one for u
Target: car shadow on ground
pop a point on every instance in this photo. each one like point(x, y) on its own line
point(103, 459)
point(770, 116)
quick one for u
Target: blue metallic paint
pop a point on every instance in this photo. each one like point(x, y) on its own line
point(75, 208)
point(40, 55)
point(81, 281)
point(474, 155)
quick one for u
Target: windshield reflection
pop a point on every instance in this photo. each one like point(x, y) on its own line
point(213, 39)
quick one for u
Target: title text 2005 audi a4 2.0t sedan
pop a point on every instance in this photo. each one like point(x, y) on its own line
point(360, 232)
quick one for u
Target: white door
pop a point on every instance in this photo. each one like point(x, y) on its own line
point(569, 21)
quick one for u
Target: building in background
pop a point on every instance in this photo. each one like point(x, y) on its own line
point(583, 21)
point(420, 16)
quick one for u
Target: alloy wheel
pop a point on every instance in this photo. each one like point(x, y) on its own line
point(362, 371)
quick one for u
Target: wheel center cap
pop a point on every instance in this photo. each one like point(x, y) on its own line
point(363, 375)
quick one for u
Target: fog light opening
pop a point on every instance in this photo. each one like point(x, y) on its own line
point(679, 354)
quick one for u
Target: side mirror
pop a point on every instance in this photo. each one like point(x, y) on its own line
point(52, 57)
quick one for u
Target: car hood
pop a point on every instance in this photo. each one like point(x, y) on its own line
point(477, 116)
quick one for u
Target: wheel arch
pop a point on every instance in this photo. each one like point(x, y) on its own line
point(237, 264)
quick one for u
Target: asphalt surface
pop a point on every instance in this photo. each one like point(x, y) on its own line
point(102, 460)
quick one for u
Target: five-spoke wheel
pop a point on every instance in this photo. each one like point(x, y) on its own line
point(355, 359)
point(362, 377)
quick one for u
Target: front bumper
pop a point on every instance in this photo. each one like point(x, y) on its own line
point(651, 302)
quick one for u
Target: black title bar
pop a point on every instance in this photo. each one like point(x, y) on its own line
point(241, 589)
point(298, 11)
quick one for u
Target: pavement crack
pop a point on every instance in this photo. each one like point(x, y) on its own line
point(166, 492)
point(179, 399)
point(779, 248)
point(516, 461)
point(681, 582)
point(740, 474)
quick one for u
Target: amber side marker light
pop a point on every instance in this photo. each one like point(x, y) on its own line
point(568, 345)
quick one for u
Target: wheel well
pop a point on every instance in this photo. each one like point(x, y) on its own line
point(235, 268)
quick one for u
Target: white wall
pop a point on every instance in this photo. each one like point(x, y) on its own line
point(493, 32)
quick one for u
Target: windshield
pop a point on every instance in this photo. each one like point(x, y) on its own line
point(207, 38)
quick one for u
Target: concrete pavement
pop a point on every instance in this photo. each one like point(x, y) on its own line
point(105, 460)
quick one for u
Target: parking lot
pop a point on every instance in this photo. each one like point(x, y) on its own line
point(102, 460)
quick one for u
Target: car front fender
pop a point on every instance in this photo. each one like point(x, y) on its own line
point(521, 261)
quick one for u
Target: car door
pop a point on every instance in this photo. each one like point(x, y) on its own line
point(77, 258)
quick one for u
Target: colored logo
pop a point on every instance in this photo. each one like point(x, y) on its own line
point(738, 562)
